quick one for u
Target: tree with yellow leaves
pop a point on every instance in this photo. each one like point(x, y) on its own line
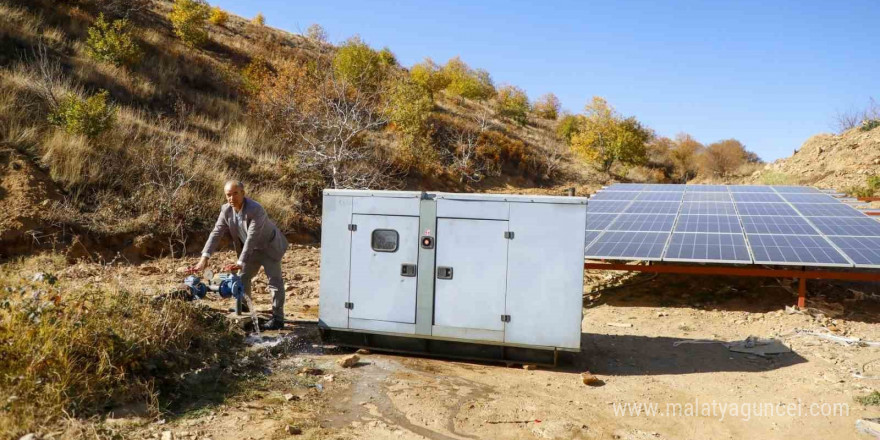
point(605, 137)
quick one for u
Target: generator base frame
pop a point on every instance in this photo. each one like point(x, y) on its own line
point(441, 348)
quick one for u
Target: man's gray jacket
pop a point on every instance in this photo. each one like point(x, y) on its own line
point(262, 234)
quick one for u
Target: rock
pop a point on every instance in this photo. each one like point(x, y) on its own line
point(298, 277)
point(28, 437)
point(167, 435)
point(360, 351)
point(293, 430)
point(662, 314)
point(290, 397)
point(329, 378)
point(348, 361)
point(530, 367)
point(311, 371)
point(590, 380)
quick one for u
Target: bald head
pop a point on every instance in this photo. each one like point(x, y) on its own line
point(234, 191)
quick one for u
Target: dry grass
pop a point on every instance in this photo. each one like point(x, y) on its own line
point(77, 350)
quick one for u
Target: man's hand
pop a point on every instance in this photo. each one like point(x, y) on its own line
point(234, 267)
point(200, 266)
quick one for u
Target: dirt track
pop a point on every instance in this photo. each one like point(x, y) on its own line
point(400, 397)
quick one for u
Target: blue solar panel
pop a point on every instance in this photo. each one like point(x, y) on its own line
point(709, 208)
point(856, 226)
point(765, 209)
point(664, 187)
point(628, 245)
point(795, 249)
point(864, 251)
point(614, 195)
point(612, 206)
point(729, 248)
point(626, 187)
point(708, 223)
point(707, 197)
point(810, 198)
point(795, 189)
point(642, 222)
point(659, 197)
point(598, 222)
point(706, 188)
point(758, 197)
point(750, 189)
point(826, 210)
point(652, 208)
point(772, 224)
point(591, 236)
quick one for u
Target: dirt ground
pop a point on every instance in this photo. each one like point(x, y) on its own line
point(632, 327)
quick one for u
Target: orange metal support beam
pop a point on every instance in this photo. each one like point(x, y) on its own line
point(875, 213)
point(802, 275)
point(869, 199)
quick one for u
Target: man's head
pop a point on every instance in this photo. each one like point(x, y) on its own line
point(234, 191)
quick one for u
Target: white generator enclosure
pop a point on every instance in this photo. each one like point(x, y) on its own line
point(495, 270)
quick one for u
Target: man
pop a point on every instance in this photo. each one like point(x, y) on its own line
point(257, 241)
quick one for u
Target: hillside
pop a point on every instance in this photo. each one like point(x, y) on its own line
point(170, 128)
point(840, 161)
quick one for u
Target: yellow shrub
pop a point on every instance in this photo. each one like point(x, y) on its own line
point(89, 117)
point(218, 16)
point(112, 42)
point(188, 18)
point(259, 19)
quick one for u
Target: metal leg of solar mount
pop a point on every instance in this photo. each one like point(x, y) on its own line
point(802, 292)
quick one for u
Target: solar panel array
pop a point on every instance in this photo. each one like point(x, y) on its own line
point(736, 224)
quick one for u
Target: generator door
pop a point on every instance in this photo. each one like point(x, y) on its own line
point(471, 273)
point(384, 254)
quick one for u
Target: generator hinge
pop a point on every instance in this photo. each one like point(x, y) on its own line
point(505, 318)
point(352, 227)
point(508, 235)
point(349, 305)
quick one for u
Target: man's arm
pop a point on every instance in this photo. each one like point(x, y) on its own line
point(220, 228)
point(255, 229)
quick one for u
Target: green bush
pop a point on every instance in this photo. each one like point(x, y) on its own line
point(568, 126)
point(512, 102)
point(113, 42)
point(188, 18)
point(869, 124)
point(358, 64)
point(89, 117)
point(872, 399)
point(218, 16)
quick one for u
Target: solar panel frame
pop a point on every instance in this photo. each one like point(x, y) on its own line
point(716, 224)
point(847, 226)
point(777, 224)
point(750, 189)
point(638, 207)
point(643, 223)
point(765, 209)
point(863, 251)
point(625, 187)
point(758, 198)
point(600, 221)
point(707, 197)
point(795, 250)
point(826, 210)
point(809, 198)
point(615, 195)
point(607, 206)
point(707, 248)
point(794, 189)
point(706, 188)
point(657, 196)
point(707, 208)
point(619, 245)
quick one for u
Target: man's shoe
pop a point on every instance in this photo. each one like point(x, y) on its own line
point(273, 324)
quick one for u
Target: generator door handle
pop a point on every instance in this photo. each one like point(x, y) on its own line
point(407, 270)
point(444, 273)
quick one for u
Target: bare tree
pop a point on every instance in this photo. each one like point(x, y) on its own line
point(324, 120)
point(847, 120)
point(49, 73)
